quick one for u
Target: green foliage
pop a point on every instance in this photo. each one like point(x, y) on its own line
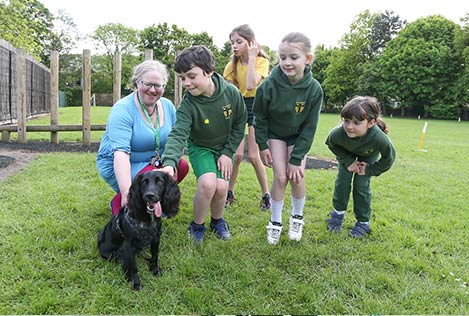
point(115, 37)
point(385, 26)
point(421, 64)
point(445, 112)
point(414, 261)
point(26, 24)
point(321, 62)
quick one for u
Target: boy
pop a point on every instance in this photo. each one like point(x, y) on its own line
point(210, 122)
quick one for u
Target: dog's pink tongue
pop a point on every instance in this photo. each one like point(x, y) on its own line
point(157, 208)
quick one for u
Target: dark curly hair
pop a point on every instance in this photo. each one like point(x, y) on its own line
point(195, 56)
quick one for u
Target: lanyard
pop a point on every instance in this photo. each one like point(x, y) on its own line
point(156, 130)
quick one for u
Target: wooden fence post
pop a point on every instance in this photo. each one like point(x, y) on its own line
point(177, 91)
point(21, 77)
point(54, 94)
point(86, 97)
point(116, 84)
point(148, 54)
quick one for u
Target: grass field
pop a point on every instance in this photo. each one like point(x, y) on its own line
point(414, 262)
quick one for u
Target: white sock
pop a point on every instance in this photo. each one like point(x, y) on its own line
point(277, 207)
point(297, 206)
point(366, 223)
point(339, 212)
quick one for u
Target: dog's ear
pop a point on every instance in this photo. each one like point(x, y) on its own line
point(171, 196)
point(133, 198)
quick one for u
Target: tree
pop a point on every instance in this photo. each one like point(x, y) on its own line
point(344, 69)
point(461, 90)
point(421, 64)
point(113, 37)
point(320, 64)
point(26, 24)
point(64, 35)
point(385, 27)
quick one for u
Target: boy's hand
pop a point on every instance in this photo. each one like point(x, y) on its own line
point(169, 170)
point(225, 165)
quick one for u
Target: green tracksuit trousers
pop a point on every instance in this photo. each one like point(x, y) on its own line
point(361, 193)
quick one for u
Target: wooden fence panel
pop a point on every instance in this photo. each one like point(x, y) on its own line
point(37, 96)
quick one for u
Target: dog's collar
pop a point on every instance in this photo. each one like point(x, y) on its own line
point(127, 219)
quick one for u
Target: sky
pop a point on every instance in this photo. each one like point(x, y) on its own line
point(324, 22)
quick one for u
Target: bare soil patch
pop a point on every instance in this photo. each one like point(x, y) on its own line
point(14, 156)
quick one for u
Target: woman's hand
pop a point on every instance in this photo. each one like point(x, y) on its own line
point(225, 165)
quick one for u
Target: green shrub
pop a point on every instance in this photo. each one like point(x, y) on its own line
point(445, 112)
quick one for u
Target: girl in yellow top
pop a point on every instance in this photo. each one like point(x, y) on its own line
point(247, 69)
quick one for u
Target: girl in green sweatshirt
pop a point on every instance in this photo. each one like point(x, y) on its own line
point(363, 150)
point(286, 114)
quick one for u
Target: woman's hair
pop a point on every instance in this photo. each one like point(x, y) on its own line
point(146, 66)
point(247, 33)
point(191, 57)
point(298, 38)
point(361, 108)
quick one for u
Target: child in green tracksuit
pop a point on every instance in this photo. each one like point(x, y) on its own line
point(363, 150)
point(210, 121)
point(286, 115)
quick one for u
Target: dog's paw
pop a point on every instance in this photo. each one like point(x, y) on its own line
point(156, 271)
point(137, 286)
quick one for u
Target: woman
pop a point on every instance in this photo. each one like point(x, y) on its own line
point(136, 132)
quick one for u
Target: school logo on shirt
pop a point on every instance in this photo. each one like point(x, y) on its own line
point(227, 111)
point(299, 106)
point(368, 152)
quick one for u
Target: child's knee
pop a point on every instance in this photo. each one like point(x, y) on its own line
point(238, 158)
point(206, 186)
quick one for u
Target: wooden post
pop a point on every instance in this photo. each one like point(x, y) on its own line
point(148, 54)
point(177, 91)
point(21, 93)
point(86, 95)
point(54, 94)
point(116, 84)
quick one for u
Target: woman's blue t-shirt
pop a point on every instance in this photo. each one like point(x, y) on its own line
point(128, 131)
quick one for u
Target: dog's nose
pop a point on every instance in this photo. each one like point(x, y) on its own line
point(149, 196)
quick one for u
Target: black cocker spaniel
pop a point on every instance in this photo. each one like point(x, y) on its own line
point(138, 224)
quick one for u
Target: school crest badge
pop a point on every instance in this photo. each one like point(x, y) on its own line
point(299, 106)
point(228, 111)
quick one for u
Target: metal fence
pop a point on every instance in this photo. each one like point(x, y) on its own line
point(37, 85)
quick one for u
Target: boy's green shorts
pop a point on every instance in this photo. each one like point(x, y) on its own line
point(203, 160)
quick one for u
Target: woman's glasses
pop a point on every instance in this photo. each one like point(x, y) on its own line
point(149, 85)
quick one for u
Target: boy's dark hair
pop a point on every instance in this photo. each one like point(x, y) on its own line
point(364, 108)
point(195, 56)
